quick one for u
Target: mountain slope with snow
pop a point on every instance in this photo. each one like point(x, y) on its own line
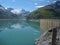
point(11, 13)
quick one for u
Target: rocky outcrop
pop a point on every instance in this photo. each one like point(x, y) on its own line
point(46, 38)
point(49, 25)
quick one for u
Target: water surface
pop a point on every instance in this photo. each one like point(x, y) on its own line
point(18, 32)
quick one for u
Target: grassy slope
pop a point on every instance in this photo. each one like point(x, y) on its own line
point(47, 12)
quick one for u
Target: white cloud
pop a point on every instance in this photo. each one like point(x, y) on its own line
point(17, 11)
point(39, 6)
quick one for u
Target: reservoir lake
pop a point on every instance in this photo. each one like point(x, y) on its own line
point(19, 32)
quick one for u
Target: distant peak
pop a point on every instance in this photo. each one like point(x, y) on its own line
point(57, 2)
point(9, 9)
point(18, 11)
point(1, 6)
point(22, 10)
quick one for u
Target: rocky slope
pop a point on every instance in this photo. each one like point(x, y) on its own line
point(11, 13)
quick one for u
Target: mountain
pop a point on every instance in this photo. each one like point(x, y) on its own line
point(11, 13)
point(9, 9)
point(1, 7)
point(20, 12)
point(4, 14)
point(51, 11)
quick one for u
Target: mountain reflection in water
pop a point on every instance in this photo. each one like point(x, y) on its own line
point(19, 32)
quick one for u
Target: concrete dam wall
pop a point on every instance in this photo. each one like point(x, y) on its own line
point(47, 24)
point(51, 36)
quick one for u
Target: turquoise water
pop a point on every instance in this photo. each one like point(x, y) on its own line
point(18, 32)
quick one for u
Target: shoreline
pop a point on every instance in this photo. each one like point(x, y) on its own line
point(21, 19)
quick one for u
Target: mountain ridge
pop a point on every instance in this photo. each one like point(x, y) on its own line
point(51, 11)
point(7, 14)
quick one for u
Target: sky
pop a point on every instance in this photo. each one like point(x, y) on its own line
point(28, 5)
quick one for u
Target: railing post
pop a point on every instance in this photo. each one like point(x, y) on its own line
point(54, 34)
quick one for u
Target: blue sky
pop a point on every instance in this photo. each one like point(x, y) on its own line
point(28, 5)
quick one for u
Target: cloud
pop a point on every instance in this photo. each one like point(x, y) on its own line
point(39, 6)
point(17, 11)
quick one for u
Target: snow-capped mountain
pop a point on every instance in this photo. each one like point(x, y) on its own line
point(1, 7)
point(9, 9)
point(11, 13)
point(20, 12)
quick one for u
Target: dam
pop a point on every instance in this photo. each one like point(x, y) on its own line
point(52, 32)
